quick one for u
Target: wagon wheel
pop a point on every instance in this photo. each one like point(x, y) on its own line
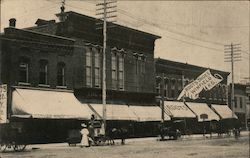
point(102, 141)
point(19, 147)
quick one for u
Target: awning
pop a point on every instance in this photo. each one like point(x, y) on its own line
point(223, 111)
point(178, 110)
point(148, 113)
point(114, 112)
point(47, 104)
point(202, 108)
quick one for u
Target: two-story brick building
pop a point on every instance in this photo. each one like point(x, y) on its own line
point(172, 77)
point(53, 72)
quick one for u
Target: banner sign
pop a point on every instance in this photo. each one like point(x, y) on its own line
point(205, 81)
point(3, 103)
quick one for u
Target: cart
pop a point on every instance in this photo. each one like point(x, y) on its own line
point(96, 133)
point(12, 137)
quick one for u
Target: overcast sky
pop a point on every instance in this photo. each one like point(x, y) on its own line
point(192, 32)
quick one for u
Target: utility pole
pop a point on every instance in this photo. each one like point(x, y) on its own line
point(162, 97)
point(105, 8)
point(232, 54)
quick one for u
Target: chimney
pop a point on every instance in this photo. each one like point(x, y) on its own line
point(62, 16)
point(12, 22)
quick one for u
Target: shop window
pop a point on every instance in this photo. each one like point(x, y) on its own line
point(24, 64)
point(43, 72)
point(97, 69)
point(88, 69)
point(61, 74)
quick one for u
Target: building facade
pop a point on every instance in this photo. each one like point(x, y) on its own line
point(240, 108)
point(177, 75)
point(62, 63)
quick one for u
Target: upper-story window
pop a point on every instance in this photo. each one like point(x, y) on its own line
point(97, 69)
point(43, 72)
point(235, 102)
point(121, 72)
point(158, 87)
point(241, 102)
point(24, 64)
point(61, 80)
point(166, 87)
point(173, 88)
point(114, 70)
point(88, 68)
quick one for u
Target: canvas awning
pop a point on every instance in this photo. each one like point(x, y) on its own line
point(223, 111)
point(148, 113)
point(202, 109)
point(178, 110)
point(48, 104)
point(114, 112)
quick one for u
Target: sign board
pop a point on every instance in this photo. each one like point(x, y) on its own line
point(3, 103)
point(206, 81)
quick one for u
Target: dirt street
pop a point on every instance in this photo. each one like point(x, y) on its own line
point(144, 148)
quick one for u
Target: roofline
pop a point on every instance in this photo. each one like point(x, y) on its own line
point(158, 59)
point(40, 33)
point(124, 27)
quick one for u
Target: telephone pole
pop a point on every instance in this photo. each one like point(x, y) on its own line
point(105, 9)
point(232, 55)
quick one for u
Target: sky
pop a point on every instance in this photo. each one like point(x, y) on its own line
point(192, 32)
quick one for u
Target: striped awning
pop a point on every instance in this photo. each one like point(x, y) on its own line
point(47, 104)
point(202, 109)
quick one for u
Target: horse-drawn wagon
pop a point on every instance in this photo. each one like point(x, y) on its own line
point(12, 137)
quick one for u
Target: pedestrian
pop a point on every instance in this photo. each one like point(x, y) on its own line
point(85, 133)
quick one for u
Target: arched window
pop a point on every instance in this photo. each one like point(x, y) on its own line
point(121, 72)
point(172, 88)
point(114, 70)
point(97, 68)
point(43, 72)
point(88, 68)
point(61, 74)
point(24, 64)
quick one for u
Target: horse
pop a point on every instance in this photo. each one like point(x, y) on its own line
point(114, 133)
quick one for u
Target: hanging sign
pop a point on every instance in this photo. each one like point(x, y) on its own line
point(3, 103)
point(205, 81)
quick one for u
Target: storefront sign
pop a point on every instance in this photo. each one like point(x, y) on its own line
point(177, 107)
point(3, 103)
point(205, 81)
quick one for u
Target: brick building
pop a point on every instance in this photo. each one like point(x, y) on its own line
point(54, 65)
point(240, 103)
point(172, 77)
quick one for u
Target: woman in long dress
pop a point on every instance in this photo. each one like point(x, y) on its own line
point(85, 133)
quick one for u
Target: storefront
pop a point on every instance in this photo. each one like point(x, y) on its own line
point(179, 111)
point(228, 119)
point(206, 117)
point(46, 115)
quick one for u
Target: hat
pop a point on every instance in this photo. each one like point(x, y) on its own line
point(83, 125)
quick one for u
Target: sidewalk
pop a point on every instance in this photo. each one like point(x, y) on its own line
point(133, 140)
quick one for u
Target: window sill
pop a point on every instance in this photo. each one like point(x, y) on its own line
point(61, 87)
point(24, 84)
point(44, 85)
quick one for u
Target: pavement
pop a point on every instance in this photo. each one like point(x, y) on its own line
point(133, 140)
